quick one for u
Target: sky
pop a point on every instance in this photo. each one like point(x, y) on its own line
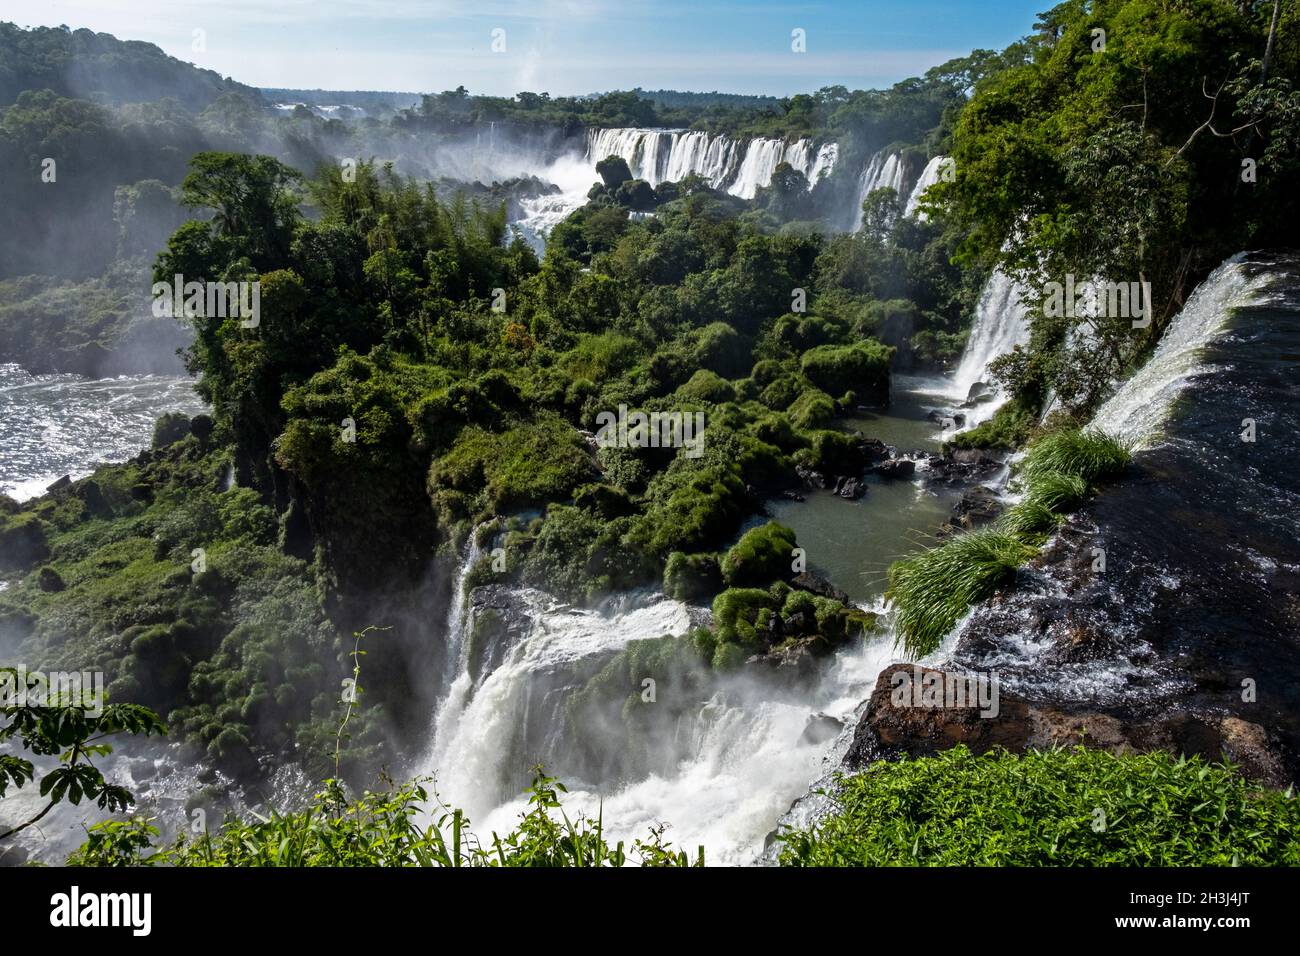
point(563, 47)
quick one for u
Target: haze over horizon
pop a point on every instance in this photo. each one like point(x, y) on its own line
point(557, 46)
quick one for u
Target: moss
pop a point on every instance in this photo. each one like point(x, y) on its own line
point(861, 368)
point(1008, 429)
point(689, 577)
point(735, 612)
point(531, 463)
point(762, 555)
point(707, 386)
point(170, 428)
point(813, 409)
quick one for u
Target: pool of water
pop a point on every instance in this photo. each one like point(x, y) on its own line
point(853, 542)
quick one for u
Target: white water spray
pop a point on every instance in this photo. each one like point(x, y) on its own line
point(1139, 408)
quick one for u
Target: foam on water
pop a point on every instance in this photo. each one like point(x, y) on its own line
point(62, 424)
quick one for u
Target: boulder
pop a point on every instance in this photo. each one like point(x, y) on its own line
point(896, 468)
point(851, 489)
point(816, 584)
point(898, 719)
point(820, 728)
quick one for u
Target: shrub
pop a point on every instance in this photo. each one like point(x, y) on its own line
point(1039, 809)
point(689, 577)
point(735, 612)
point(707, 386)
point(762, 555)
point(861, 368)
point(170, 428)
point(382, 829)
point(813, 409)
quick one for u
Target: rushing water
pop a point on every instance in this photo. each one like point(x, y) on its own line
point(735, 762)
point(929, 176)
point(61, 424)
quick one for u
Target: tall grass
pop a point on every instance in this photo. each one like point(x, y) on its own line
point(932, 590)
point(1090, 454)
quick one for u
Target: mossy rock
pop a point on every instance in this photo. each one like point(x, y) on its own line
point(689, 577)
point(764, 554)
point(24, 541)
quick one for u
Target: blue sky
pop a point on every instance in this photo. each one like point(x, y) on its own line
point(558, 46)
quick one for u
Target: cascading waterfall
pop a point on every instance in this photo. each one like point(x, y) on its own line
point(747, 763)
point(1137, 410)
point(882, 170)
point(658, 155)
point(1001, 324)
point(929, 176)
point(495, 723)
point(457, 647)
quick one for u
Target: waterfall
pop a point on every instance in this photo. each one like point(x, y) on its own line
point(457, 646)
point(746, 762)
point(658, 155)
point(882, 170)
point(492, 727)
point(929, 176)
point(1000, 325)
point(1139, 408)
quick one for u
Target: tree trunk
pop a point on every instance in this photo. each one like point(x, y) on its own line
point(1272, 37)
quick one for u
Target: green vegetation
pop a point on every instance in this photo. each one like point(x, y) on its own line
point(383, 829)
point(933, 589)
point(1054, 808)
point(71, 724)
point(1151, 161)
point(762, 555)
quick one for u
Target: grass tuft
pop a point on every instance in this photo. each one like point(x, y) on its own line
point(932, 590)
point(1090, 454)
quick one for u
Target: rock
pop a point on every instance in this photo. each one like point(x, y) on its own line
point(49, 580)
point(980, 392)
point(851, 489)
point(816, 584)
point(962, 466)
point(60, 485)
point(201, 427)
point(820, 728)
point(810, 478)
point(798, 624)
point(792, 496)
point(874, 449)
point(897, 721)
point(93, 496)
point(896, 468)
point(977, 506)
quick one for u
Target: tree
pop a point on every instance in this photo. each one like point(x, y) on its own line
point(70, 729)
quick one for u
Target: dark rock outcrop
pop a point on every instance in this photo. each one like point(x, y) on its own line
point(898, 721)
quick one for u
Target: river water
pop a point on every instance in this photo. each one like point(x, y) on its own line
point(62, 424)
